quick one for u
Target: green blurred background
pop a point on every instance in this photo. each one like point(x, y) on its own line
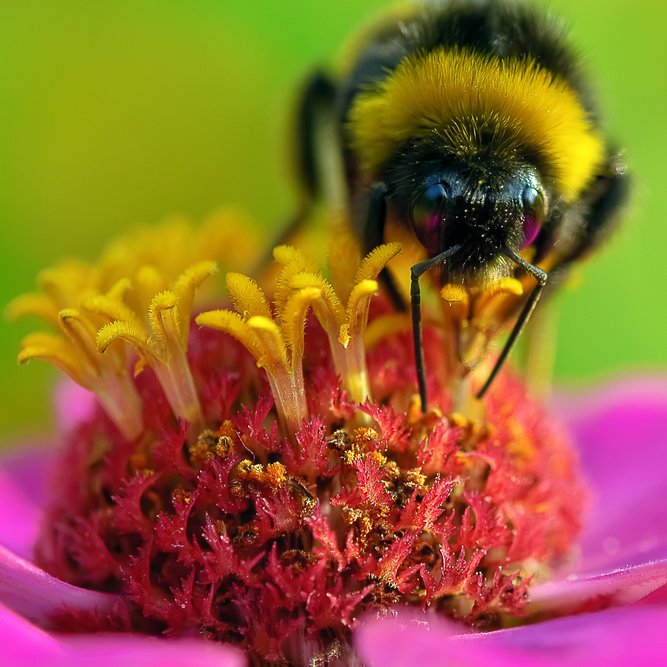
point(117, 113)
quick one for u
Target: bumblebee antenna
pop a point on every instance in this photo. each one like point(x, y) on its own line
point(541, 277)
point(416, 272)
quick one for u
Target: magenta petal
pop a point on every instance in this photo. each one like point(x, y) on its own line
point(619, 587)
point(19, 519)
point(137, 651)
point(28, 466)
point(38, 596)
point(22, 645)
point(621, 433)
point(612, 638)
point(23, 484)
point(422, 640)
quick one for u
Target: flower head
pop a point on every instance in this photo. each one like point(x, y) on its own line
point(272, 479)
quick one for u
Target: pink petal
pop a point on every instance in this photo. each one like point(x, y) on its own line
point(616, 637)
point(22, 644)
point(28, 466)
point(424, 640)
point(137, 651)
point(621, 432)
point(23, 484)
point(73, 404)
point(612, 638)
point(39, 597)
point(581, 593)
point(20, 518)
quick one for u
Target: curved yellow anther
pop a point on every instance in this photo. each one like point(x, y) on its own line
point(375, 261)
point(274, 350)
point(247, 296)
point(38, 305)
point(56, 351)
point(234, 325)
point(293, 320)
point(357, 305)
point(185, 288)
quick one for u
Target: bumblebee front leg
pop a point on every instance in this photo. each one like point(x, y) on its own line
point(527, 310)
point(602, 204)
point(373, 236)
point(416, 271)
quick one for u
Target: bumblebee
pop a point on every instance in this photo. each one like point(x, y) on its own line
point(471, 124)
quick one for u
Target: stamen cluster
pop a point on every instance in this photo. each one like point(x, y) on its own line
point(307, 488)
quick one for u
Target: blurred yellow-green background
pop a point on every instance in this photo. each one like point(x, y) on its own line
point(118, 113)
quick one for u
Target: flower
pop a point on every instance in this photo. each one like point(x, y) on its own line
point(268, 479)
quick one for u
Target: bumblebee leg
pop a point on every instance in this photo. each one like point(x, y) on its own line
point(373, 236)
point(602, 204)
point(314, 124)
point(541, 277)
point(417, 336)
point(315, 112)
point(416, 271)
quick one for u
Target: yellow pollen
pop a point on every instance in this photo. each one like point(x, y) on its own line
point(275, 340)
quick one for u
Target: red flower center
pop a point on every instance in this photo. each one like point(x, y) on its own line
point(238, 533)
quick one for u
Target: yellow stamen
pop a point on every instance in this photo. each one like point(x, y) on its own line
point(64, 306)
point(458, 300)
point(493, 307)
point(276, 343)
point(233, 324)
point(141, 291)
point(163, 346)
point(474, 315)
point(343, 260)
point(33, 304)
point(57, 351)
point(77, 357)
point(343, 315)
point(247, 297)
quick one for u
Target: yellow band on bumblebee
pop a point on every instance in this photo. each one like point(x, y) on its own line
point(438, 91)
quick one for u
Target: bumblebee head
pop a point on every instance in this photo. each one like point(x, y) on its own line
point(472, 147)
point(483, 204)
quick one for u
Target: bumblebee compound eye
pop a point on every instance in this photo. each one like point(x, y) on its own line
point(532, 200)
point(427, 215)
